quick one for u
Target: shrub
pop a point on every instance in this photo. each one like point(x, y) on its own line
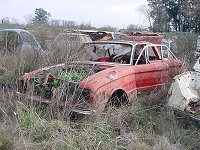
point(6, 138)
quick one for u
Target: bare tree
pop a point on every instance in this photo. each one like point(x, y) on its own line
point(5, 20)
point(55, 22)
point(146, 11)
point(68, 23)
point(28, 18)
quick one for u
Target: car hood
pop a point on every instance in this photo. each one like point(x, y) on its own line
point(106, 76)
point(89, 64)
point(103, 72)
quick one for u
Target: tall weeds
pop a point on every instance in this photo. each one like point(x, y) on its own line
point(143, 124)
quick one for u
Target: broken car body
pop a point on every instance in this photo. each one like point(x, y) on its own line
point(184, 93)
point(69, 39)
point(96, 35)
point(106, 72)
point(143, 36)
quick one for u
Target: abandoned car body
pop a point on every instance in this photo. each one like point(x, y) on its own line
point(107, 72)
point(142, 36)
point(184, 94)
point(68, 39)
point(19, 40)
point(96, 35)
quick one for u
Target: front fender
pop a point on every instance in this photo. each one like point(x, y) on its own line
point(127, 84)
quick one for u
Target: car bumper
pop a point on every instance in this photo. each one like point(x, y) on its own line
point(72, 107)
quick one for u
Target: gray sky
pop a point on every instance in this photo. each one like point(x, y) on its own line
point(116, 13)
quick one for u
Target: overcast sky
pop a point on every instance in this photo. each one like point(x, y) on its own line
point(116, 13)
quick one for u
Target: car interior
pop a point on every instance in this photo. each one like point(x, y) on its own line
point(117, 53)
point(122, 53)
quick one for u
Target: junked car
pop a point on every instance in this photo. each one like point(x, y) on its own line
point(72, 37)
point(67, 39)
point(104, 73)
point(96, 35)
point(184, 94)
point(143, 36)
point(19, 40)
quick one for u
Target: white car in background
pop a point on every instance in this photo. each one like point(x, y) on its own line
point(62, 37)
point(67, 39)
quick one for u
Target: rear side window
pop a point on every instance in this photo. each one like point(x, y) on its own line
point(149, 53)
point(153, 53)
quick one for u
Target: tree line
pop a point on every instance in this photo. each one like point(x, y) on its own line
point(173, 15)
point(42, 17)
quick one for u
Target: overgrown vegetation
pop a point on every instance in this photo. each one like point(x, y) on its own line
point(140, 125)
point(74, 75)
point(63, 82)
point(144, 124)
point(184, 46)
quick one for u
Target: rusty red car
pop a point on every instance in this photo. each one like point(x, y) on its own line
point(104, 73)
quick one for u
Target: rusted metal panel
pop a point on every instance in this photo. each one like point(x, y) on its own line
point(138, 36)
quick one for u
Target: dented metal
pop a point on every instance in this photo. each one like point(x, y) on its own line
point(184, 90)
point(184, 93)
point(116, 72)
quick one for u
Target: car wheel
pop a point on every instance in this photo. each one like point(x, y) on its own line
point(118, 99)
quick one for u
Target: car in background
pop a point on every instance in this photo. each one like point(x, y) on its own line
point(184, 95)
point(154, 38)
point(106, 73)
point(69, 39)
point(143, 36)
point(96, 35)
point(72, 37)
point(12, 40)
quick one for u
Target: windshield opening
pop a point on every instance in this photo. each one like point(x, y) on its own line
point(107, 52)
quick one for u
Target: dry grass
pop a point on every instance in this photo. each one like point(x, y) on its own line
point(137, 126)
point(144, 124)
point(185, 47)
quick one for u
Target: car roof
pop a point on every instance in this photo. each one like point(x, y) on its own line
point(91, 31)
point(119, 42)
point(15, 30)
point(70, 33)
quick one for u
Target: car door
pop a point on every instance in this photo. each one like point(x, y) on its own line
point(160, 69)
point(150, 69)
